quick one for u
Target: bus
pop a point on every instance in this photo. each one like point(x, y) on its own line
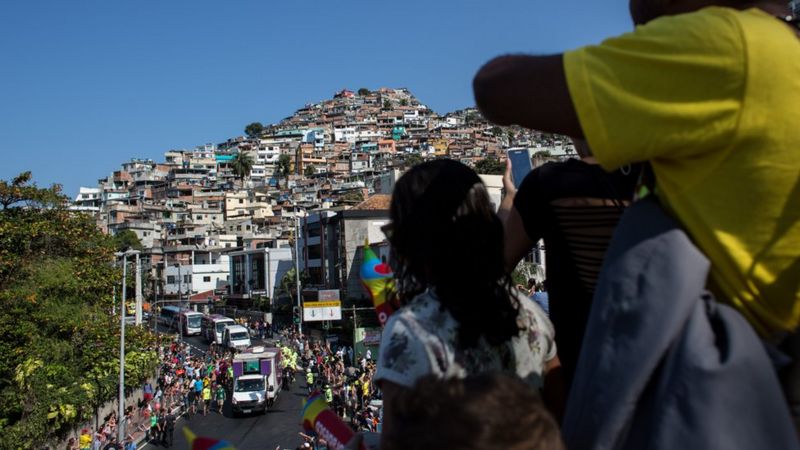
point(212, 325)
point(174, 317)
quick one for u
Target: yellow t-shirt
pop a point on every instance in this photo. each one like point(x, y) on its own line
point(712, 100)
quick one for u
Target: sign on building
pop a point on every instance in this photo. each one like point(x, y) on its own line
point(328, 295)
point(319, 311)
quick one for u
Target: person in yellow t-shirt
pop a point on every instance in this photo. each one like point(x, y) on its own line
point(707, 95)
point(206, 399)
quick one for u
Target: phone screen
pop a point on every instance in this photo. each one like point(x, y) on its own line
point(521, 165)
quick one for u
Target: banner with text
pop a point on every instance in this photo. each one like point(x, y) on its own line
point(319, 311)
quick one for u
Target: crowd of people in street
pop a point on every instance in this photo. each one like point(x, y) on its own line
point(344, 379)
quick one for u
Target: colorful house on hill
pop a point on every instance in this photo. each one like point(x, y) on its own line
point(398, 132)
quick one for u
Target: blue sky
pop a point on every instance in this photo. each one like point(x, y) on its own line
point(86, 85)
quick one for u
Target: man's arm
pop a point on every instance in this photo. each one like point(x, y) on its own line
point(530, 91)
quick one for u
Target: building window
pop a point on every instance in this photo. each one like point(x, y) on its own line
point(206, 279)
point(238, 228)
point(170, 279)
point(241, 201)
point(199, 217)
point(186, 279)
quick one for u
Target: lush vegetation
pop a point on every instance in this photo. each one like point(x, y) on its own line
point(59, 352)
point(242, 164)
point(254, 130)
point(490, 166)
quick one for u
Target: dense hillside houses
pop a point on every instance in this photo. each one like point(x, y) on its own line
point(220, 220)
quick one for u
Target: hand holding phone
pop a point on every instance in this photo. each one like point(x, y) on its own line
point(521, 165)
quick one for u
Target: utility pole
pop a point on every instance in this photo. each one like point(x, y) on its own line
point(297, 268)
point(138, 291)
point(355, 325)
point(123, 306)
point(180, 304)
point(121, 411)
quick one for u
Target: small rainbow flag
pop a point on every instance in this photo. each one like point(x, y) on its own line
point(205, 443)
point(378, 279)
point(320, 419)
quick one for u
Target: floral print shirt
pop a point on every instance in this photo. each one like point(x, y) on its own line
point(420, 339)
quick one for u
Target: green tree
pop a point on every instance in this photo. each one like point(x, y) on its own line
point(241, 165)
point(387, 104)
point(127, 239)
point(309, 170)
point(254, 130)
point(363, 92)
point(412, 159)
point(404, 102)
point(288, 284)
point(59, 352)
point(354, 196)
point(21, 191)
point(284, 167)
point(490, 166)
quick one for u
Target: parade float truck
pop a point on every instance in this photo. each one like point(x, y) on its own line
point(256, 379)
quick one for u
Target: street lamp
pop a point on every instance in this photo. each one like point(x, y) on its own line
point(121, 412)
point(180, 303)
point(297, 268)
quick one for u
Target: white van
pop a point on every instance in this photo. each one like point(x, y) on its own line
point(256, 379)
point(236, 337)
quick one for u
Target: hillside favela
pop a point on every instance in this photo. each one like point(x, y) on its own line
point(527, 225)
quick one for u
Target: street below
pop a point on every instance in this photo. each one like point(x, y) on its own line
point(278, 427)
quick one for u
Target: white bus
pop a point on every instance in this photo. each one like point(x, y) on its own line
point(186, 319)
point(212, 326)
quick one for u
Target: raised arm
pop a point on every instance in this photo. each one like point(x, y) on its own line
point(530, 91)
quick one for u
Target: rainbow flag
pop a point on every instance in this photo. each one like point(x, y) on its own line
point(205, 443)
point(378, 279)
point(320, 419)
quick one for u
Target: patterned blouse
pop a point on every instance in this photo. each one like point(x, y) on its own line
point(420, 339)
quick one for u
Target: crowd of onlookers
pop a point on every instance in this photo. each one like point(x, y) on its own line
point(344, 378)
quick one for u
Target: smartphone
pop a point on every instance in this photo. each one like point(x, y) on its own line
point(521, 164)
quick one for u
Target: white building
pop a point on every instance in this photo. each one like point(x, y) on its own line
point(209, 272)
point(88, 200)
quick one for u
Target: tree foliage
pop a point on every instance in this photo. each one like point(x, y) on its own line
point(127, 239)
point(309, 170)
point(411, 160)
point(288, 284)
point(363, 92)
point(284, 167)
point(254, 129)
point(20, 192)
point(242, 164)
point(353, 196)
point(490, 166)
point(60, 347)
